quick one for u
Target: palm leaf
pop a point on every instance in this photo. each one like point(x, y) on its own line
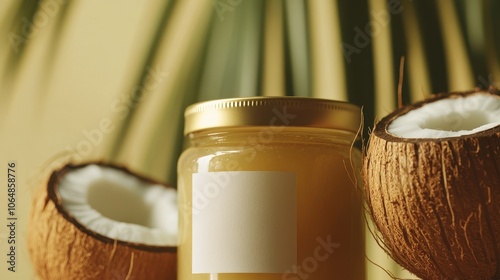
point(149, 58)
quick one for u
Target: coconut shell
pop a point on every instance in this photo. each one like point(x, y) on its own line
point(62, 249)
point(436, 202)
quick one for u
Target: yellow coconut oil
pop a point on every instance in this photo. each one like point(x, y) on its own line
point(267, 191)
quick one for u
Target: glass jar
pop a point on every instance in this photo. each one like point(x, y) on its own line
point(267, 191)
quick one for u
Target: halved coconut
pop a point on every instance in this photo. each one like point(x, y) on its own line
point(97, 221)
point(432, 179)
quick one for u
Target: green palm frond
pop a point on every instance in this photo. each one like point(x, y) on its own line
point(19, 30)
point(57, 37)
point(149, 58)
point(22, 27)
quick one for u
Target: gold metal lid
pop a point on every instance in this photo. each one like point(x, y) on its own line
point(272, 111)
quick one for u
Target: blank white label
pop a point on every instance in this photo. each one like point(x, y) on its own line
point(244, 222)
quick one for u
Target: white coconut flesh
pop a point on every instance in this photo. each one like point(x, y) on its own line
point(449, 117)
point(120, 206)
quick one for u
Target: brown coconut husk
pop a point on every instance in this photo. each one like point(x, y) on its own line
point(61, 248)
point(436, 202)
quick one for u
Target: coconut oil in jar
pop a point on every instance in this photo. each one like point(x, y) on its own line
point(267, 192)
